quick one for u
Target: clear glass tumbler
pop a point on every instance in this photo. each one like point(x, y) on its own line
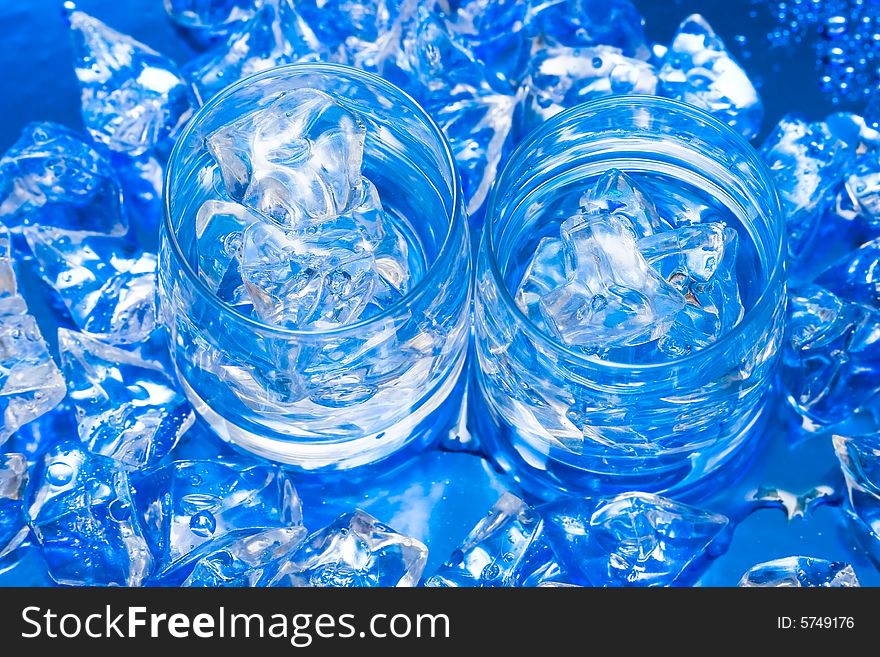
point(339, 398)
point(561, 420)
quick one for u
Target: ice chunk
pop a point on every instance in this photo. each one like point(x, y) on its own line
point(248, 560)
point(807, 163)
point(544, 274)
point(633, 539)
point(332, 276)
point(190, 508)
point(700, 262)
point(562, 77)
point(126, 408)
point(503, 549)
point(831, 356)
point(13, 478)
point(613, 298)
point(213, 16)
point(617, 193)
point(454, 89)
point(856, 276)
point(133, 98)
point(80, 509)
point(108, 287)
point(275, 35)
point(800, 572)
point(355, 550)
point(615, 23)
point(699, 70)
point(30, 382)
point(496, 31)
point(859, 458)
point(362, 33)
point(863, 185)
point(297, 161)
point(219, 227)
point(50, 176)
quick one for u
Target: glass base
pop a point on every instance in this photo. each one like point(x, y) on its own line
point(430, 421)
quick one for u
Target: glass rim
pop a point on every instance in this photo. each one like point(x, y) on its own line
point(424, 285)
point(587, 110)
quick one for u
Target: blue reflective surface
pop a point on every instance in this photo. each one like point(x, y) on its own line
point(786, 503)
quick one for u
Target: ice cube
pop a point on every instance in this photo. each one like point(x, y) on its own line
point(355, 550)
point(562, 77)
point(108, 286)
point(246, 561)
point(831, 356)
point(615, 23)
point(616, 193)
point(800, 572)
point(275, 35)
point(126, 408)
point(50, 176)
point(863, 185)
point(13, 479)
point(613, 298)
point(133, 98)
point(79, 506)
point(454, 89)
point(544, 274)
point(632, 539)
point(700, 262)
point(213, 17)
point(30, 382)
point(496, 31)
point(190, 508)
point(219, 227)
point(699, 70)
point(321, 278)
point(504, 549)
point(856, 276)
point(859, 458)
point(296, 161)
point(807, 164)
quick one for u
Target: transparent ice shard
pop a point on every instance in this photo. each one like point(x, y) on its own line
point(700, 262)
point(859, 458)
point(496, 31)
point(503, 549)
point(30, 381)
point(219, 228)
point(190, 508)
point(126, 408)
point(51, 177)
point(211, 16)
point(79, 506)
point(275, 35)
point(562, 77)
point(800, 572)
point(13, 479)
point(616, 193)
point(632, 539)
point(544, 274)
point(297, 161)
point(108, 286)
point(700, 71)
point(863, 185)
point(831, 356)
point(807, 163)
point(613, 298)
point(856, 276)
point(615, 23)
point(355, 550)
point(133, 98)
point(246, 561)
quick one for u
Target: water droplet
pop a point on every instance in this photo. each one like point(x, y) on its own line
point(203, 523)
point(59, 474)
